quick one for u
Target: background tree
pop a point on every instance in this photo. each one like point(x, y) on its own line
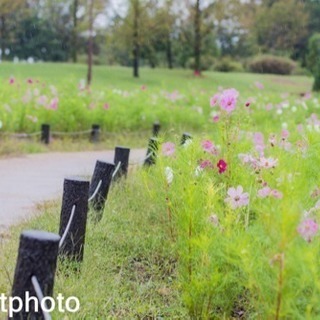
point(281, 25)
point(313, 59)
point(8, 9)
point(74, 41)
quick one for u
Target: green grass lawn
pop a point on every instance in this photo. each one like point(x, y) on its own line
point(106, 77)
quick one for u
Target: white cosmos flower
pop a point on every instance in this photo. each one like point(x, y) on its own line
point(198, 171)
point(169, 174)
point(187, 143)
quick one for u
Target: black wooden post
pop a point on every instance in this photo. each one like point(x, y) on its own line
point(102, 172)
point(185, 136)
point(151, 152)
point(156, 129)
point(95, 133)
point(121, 154)
point(45, 133)
point(38, 252)
point(75, 192)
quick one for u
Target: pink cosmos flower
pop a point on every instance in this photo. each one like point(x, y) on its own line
point(258, 140)
point(214, 100)
point(269, 106)
point(284, 134)
point(308, 229)
point(208, 146)
point(30, 81)
point(259, 85)
point(287, 146)
point(205, 164)
point(246, 158)
point(11, 80)
point(264, 192)
point(143, 87)
point(42, 100)
point(222, 166)
point(53, 104)
point(300, 128)
point(228, 100)
point(237, 198)
point(276, 194)
point(267, 163)
point(106, 106)
point(307, 96)
point(168, 149)
point(273, 140)
point(216, 118)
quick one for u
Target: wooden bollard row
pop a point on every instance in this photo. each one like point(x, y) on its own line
point(39, 250)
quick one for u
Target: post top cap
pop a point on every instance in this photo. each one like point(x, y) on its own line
point(76, 178)
point(40, 235)
point(105, 162)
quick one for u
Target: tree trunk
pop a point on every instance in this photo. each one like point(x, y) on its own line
point(74, 31)
point(197, 39)
point(136, 45)
point(169, 53)
point(2, 36)
point(90, 43)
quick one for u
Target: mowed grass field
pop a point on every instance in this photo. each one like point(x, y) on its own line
point(107, 77)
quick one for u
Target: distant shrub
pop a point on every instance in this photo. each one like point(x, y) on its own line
point(207, 62)
point(313, 59)
point(313, 52)
point(226, 64)
point(299, 71)
point(83, 58)
point(272, 64)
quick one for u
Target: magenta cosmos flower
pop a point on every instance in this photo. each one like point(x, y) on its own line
point(308, 229)
point(222, 166)
point(237, 198)
point(228, 100)
point(168, 149)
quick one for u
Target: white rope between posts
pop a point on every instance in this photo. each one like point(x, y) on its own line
point(21, 135)
point(95, 191)
point(61, 133)
point(39, 293)
point(63, 238)
point(116, 169)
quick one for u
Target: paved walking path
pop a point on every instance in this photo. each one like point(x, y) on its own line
point(28, 180)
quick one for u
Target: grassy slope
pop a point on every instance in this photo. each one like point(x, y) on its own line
point(130, 266)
